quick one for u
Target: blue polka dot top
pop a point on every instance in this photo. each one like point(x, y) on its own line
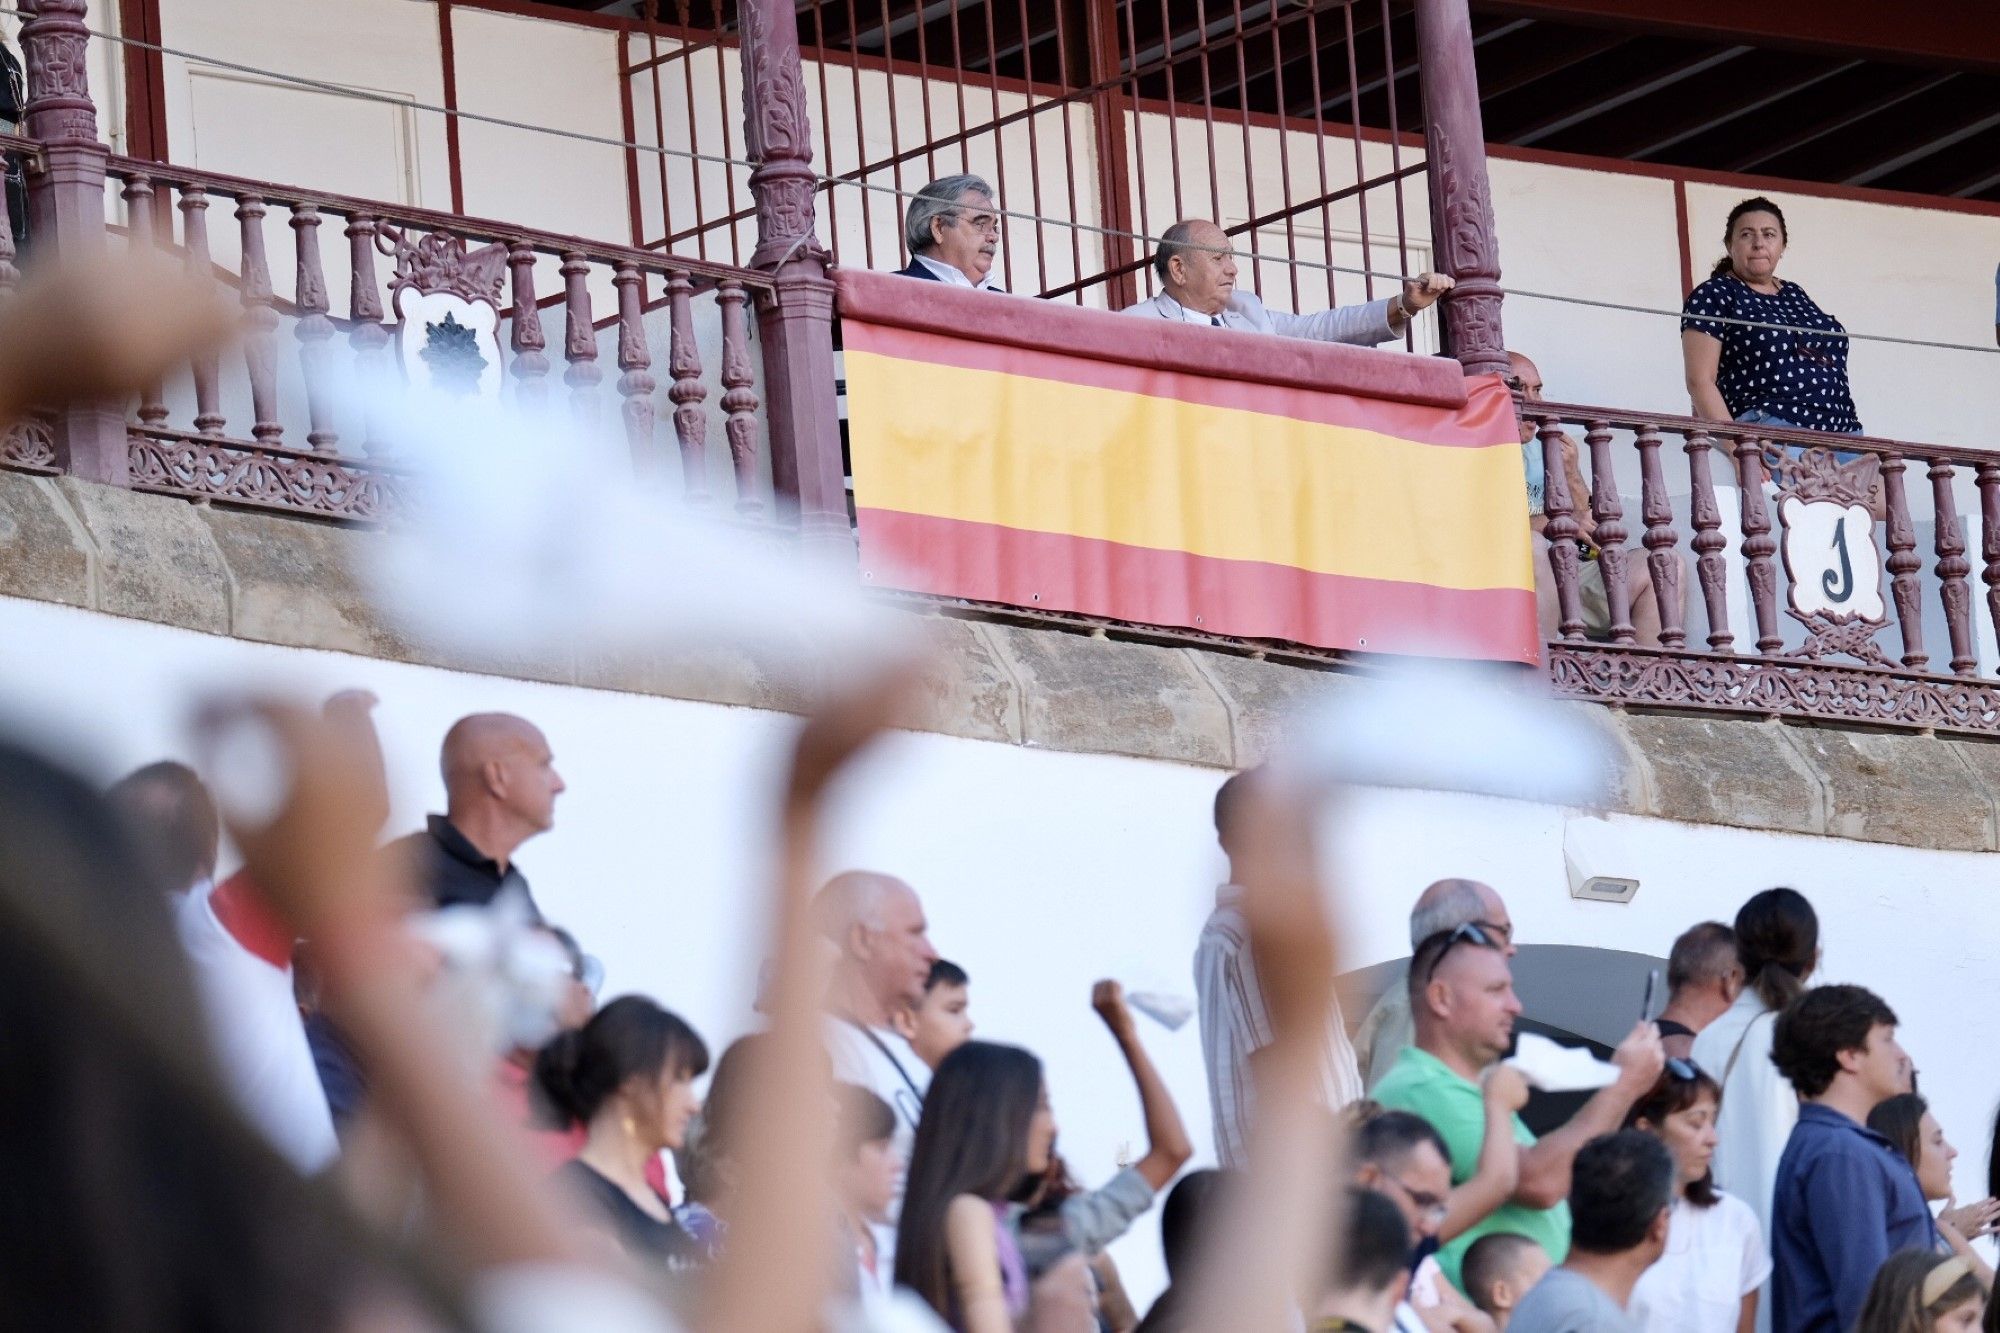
point(1797, 377)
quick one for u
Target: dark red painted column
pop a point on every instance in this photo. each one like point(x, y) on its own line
point(1461, 204)
point(66, 204)
point(796, 323)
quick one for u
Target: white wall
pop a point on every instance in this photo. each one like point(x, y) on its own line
point(1041, 871)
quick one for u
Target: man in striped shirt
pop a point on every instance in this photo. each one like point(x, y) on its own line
point(1234, 1023)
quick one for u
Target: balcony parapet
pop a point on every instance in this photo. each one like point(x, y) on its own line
point(1809, 551)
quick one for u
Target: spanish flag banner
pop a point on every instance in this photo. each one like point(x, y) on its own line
point(1051, 477)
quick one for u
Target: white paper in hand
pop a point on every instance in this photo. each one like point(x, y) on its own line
point(1554, 1068)
point(1170, 1011)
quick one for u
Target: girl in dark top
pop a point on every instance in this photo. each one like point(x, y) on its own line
point(628, 1077)
point(986, 1130)
point(1776, 377)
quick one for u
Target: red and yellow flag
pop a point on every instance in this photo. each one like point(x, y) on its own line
point(1050, 478)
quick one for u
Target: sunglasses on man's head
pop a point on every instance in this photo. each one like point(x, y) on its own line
point(1472, 932)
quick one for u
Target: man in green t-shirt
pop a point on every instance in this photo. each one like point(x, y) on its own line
point(1463, 1003)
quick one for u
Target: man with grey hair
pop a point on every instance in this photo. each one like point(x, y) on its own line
point(1446, 905)
point(953, 230)
point(876, 923)
point(1197, 272)
point(1704, 977)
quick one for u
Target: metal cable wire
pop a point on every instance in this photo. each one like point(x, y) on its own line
point(826, 182)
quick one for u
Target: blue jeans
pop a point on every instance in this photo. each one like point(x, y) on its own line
point(1762, 416)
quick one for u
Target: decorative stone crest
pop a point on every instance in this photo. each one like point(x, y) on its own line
point(1834, 569)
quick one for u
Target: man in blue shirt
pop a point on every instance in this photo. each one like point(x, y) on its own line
point(1845, 1200)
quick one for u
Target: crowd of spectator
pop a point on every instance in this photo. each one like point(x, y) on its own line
point(1755, 1157)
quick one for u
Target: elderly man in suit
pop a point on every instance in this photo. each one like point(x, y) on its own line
point(953, 229)
point(1198, 273)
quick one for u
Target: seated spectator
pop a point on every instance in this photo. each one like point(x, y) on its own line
point(1845, 1200)
point(557, 1137)
point(627, 1076)
point(1499, 1269)
point(172, 821)
point(1704, 977)
point(500, 786)
point(1736, 372)
point(1619, 1201)
point(1906, 1121)
point(1367, 1271)
point(1462, 996)
point(1777, 944)
point(1715, 1261)
point(1400, 1156)
point(866, 1177)
point(952, 227)
point(986, 1131)
point(1235, 1022)
point(1197, 274)
point(1644, 604)
point(1445, 904)
point(1916, 1292)
point(1062, 1217)
point(1191, 1209)
point(939, 1025)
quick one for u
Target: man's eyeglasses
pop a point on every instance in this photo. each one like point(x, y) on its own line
point(986, 222)
point(1481, 933)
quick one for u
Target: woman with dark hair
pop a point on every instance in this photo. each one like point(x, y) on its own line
point(1777, 942)
point(1918, 1292)
point(627, 1076)
point(1906, 1121)
point(987, 1129)
point(1791, 375)
point(1715, 1260)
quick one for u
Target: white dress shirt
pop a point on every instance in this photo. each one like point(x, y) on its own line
point(956, 277)
point(1235, 1024)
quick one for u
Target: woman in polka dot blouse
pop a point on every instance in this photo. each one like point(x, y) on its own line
point(1767, 376)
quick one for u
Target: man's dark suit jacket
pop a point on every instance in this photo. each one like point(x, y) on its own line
point(917, 270)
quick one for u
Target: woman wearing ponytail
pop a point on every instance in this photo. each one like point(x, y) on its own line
point(1777, 941)
point(627, 1076)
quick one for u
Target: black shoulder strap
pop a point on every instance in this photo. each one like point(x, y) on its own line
point(888, 1055)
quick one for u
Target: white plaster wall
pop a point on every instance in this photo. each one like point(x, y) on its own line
point(563, 76)
point(1040, 870)
point(242, 124)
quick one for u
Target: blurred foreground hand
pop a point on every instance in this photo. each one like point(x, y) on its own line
point(77, 330)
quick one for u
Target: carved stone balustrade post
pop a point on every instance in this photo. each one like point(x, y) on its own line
point(1461, 202)
point(1904, 562)
point(796, 321)
point(258, 354)
point(1758, 543)
point(635, 383)
point(1989, 537)
point(66, 206)
point(1709, 543)
point(1662, 560)
point(531, 362)
point(739, 400)
point(1952, 569)
point(1608, 517)
point(687, 393)
point(1562, 530)
point(368, 337)
point(140, 219)
point(208, 418)
point(580, 340)
point(314, 327)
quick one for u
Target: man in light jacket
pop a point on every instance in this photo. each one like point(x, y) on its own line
point(1198, 273)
